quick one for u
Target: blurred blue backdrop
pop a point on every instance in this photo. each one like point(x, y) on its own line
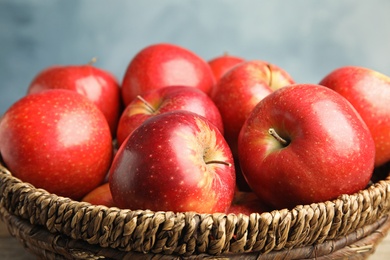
point(306, 38)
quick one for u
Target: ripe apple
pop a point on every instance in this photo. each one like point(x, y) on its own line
point(98, 85)
point(303, 144)
point(166, 99)
point(162, 65)
point(247, 203)
point(240, 89)
point(223, 63)
point(369, 92)
point(177, 161)
point(101, 195)
point(56, 140)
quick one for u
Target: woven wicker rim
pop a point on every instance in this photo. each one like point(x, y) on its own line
point(191, 233)
point(44, 244)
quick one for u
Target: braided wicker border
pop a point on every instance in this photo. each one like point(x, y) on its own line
point(190, 233)
point(40, 242)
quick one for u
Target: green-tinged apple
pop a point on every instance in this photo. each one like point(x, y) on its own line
point(369, 92)
point(101, 195)
point(305, 144)
point(98, 85)
point(166, 99)
point(57, 140)
point(163, 64)
point(223, 63)
point(240, 89)
point(177, 161)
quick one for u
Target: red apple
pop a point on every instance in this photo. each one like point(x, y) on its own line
point(222, 64)
point(101, 195)
point(247, 203)
point(177, 161)
point(240, 89)
point(162, 65)
point(57, 140)
point(166, 99)
point(98, 85)
point(305, 144)
point(369, 92)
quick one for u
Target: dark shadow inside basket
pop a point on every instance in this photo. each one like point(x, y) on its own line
point(57, 227)
point(381, 173)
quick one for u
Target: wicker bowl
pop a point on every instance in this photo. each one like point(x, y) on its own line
point(54, 227)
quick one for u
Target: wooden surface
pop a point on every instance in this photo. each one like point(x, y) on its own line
point(11, 249)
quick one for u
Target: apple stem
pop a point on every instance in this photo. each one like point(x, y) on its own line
point(270, 73)
point(219, 162)
point(147, 104)
point(272, 132)
point(92, 61)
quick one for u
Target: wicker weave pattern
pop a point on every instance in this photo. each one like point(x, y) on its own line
point(191, 233)
point(357, 245)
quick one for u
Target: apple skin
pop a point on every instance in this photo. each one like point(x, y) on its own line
point(369, 92)
point(177, 161)
point(166, 99)
point(163, 64)
point(98, 85)
point(329, 150)
point(101, 195)
point(56, 140)
point(240, 89)
point(223, 63)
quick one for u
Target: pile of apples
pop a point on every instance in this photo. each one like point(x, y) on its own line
point(180, 133)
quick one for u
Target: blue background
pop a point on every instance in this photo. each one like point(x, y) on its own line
point(306, 38)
